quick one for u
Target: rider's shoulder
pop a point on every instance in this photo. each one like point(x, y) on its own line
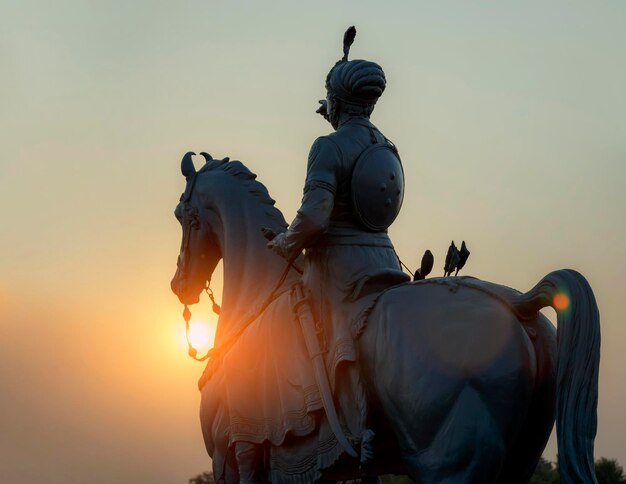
point(359, 123)
point(329, 140)
point(326, 146)
point(355, 128)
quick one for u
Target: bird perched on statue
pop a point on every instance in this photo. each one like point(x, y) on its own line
point(427, 265)
point(452, 259)
point(455, 259)
point(464, 254)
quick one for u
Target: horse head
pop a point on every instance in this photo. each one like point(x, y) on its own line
point(200, 251)
point(221, 213)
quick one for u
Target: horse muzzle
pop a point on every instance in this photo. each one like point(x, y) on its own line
point(185, 294)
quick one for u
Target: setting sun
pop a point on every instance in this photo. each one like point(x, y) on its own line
point(201, 335)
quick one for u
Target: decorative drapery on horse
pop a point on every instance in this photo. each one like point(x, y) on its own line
point(463, 378)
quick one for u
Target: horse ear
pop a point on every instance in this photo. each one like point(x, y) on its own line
point(226, 159)
point(207, 157)
point(186, 165)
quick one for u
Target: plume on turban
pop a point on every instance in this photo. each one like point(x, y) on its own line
point(357, 81)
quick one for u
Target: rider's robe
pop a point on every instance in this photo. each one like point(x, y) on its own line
point(341, 254)
point(345, 267)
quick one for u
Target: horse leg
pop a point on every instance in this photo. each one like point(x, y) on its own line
point(467, 448)
point(522, 458)
point(524, 454)
point(248, 462)
point(224, 468)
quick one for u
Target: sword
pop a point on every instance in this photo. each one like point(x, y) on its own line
point(307, 322)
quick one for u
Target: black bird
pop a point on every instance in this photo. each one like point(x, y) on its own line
point(426, 267)
point(452, 260)
point(464, 255)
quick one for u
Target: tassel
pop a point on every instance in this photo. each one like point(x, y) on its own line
point(216, 307)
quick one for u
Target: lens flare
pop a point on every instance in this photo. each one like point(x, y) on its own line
point(561, 302)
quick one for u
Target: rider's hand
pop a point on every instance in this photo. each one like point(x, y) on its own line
point(269, 234)
point(277, 244)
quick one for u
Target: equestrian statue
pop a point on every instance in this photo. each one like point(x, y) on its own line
point(330, 363)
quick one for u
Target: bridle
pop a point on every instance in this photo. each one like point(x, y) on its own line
point(273, 295)
point(190, 222)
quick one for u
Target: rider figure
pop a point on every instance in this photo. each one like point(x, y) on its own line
point(345, 244)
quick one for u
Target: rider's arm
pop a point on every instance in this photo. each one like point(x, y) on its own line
point(318, 200)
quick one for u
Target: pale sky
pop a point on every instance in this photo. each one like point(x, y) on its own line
point(509, 116)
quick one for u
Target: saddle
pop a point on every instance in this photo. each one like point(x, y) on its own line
point(376, 282)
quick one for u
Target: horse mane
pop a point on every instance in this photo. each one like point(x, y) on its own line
point(249, 180)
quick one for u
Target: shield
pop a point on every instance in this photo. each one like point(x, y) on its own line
point(378, 186)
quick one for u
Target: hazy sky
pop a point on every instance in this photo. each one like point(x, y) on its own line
point(509, 116)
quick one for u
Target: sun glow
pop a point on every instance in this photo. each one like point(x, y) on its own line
point(201, 335)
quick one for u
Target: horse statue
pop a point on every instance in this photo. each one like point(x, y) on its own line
point(463, 378)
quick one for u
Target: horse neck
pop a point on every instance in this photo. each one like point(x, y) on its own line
point(251, 270)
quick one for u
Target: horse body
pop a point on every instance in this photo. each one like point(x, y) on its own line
point(461, 375)
point(456, 384)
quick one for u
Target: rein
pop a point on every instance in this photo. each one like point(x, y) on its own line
point(213, 352)
point(191, 351)
point(191, 214)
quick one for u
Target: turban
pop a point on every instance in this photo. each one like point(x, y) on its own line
point(357, 82)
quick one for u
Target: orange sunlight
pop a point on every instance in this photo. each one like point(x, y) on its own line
point(561, 301)
point(201, 334)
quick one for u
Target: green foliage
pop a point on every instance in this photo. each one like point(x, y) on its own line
point(608, 471)
point(204, 478)
point(545, 473)
point(393, 479)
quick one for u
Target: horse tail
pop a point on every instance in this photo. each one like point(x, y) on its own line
point(578, 358)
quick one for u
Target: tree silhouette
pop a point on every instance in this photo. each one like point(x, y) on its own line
point(608, 471)
point(391, 479)
point(204, 478)
point(545, 473)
